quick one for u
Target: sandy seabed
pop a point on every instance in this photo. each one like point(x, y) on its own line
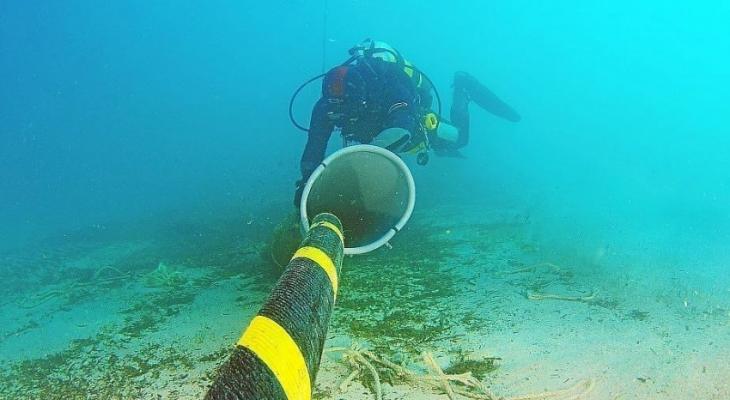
point(144, 319)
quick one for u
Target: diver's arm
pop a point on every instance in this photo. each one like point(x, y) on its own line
point(320, 130)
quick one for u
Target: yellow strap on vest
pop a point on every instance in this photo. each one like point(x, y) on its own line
point(273, 345)
point(323, 260)
point(332, 227)
point(410, 71)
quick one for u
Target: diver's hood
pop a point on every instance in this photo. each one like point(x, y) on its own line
point(377, 49)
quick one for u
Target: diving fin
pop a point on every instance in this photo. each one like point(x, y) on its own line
point(484, 98)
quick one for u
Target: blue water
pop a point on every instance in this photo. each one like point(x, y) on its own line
point(113, 112)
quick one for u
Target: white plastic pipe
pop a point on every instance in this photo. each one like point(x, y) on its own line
point(387, 156)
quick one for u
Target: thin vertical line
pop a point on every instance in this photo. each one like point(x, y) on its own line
point(324, 35)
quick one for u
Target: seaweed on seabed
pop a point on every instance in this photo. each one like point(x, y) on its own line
point(375, 369)
point(638, 315)
point(401, 299)
point(165, 277)
point(153, 309)
point(479, 367)
point(455, 380)
point(73, 292)
point(92, 368)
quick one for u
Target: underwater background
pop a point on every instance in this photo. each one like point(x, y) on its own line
point(146, 146)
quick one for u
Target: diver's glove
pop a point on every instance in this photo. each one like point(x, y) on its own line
point(298, 193)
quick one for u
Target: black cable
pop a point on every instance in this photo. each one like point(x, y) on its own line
point(325, 9)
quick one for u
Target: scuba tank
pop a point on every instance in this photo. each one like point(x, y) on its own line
point(440, 129)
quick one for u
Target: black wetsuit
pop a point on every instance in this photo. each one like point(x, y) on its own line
point(362, 100)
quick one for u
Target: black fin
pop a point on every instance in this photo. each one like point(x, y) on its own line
point(485, 98)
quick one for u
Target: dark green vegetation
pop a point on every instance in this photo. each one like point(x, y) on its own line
point(284, 242)
point(104, 367)
point(402, 299)
point(146, 314)
point(397, 302)
point(462, 363)
point(638, 315)
point(126, 360)
point(120, 362)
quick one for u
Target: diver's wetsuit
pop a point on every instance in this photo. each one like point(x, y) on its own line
point(371, 95)
point(362, 99)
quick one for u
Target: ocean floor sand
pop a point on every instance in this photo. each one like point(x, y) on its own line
point(152, 317)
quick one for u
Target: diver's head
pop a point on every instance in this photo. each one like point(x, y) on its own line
point(376, 49)
point(345, 85)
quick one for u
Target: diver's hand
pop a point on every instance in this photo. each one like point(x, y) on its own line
point(298, 193)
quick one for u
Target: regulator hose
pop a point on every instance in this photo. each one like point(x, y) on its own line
point(302, 86)
point(294, 97)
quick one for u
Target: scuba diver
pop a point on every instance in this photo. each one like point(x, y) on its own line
point(378, 97)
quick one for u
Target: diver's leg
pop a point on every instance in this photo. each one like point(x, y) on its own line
point(484, 98)
point(460, 111)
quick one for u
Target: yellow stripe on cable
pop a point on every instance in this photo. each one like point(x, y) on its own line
point(323, 260)
point(272, 344)
point(332, 227)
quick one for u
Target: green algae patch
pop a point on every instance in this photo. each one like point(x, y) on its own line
point(402, 299)
point(102, 367)
point(217, 356)
point(128, 359)
point(153, 309)
point(479, 367)
point(638, 315)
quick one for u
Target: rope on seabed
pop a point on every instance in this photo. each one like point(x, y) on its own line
point(532, 268)
point(548, 296)
point(558, 270)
